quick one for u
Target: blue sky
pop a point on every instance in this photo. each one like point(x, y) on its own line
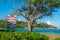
point(7, 8)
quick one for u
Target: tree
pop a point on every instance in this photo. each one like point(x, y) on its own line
point(3, 24)
point(21, 24)
point(36, 9)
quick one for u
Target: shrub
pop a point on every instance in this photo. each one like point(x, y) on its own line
point(22, 36)
point(57, 39)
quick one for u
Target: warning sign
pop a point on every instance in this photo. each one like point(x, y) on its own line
point(11, 22)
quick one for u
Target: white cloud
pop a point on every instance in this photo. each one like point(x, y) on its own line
point(49, 23)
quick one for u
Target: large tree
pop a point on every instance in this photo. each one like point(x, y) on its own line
point(36, 9)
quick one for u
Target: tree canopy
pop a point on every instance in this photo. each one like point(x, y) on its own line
point(36, 9)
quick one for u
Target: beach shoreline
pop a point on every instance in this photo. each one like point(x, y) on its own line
point(53, 36)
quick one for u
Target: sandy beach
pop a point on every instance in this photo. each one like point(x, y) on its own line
point(53, 36)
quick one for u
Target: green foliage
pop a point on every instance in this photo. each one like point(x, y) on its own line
point(56, 3)
point(20, 24)
point(22, 36)
point(44, 25)
point(57, 39)
point(35, 1)
point(45, 5)
point(3, 24)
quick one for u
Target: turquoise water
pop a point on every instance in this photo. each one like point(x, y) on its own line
point(44, 31)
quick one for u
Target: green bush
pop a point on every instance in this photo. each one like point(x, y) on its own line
point(22, 36)
point(57, 39)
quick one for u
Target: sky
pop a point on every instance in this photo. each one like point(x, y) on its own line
point(7, 8)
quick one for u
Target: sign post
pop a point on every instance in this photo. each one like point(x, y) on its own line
point(11, 22)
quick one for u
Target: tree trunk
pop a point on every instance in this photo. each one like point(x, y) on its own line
point(29, 26)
